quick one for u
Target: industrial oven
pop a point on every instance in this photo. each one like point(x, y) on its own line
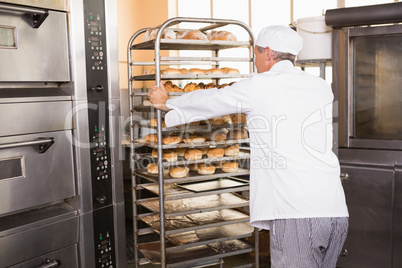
point(367, 79)
point(61, 188)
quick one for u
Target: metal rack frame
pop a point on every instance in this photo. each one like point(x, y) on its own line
point(178, 44)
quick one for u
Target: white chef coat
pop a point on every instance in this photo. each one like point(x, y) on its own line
point(293, 170)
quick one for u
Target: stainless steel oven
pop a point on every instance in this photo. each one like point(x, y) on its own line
point(61, 186)
point(367, 79)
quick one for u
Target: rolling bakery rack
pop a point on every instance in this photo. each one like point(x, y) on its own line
point(198, 220)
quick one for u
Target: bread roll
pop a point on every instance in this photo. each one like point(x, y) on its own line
point(172, 71)
point(214, 71)
point(191, 34)
point(168, 155)
point(184, 71)
point(216, 153)
point(152, 168)
point(153, 122)
point(239, 134)
point(218, 135)
point(150, 34)
point(194, 139)
point(230, 167)
point(178, 172)
point(150, 138)
point(210, 85)
point(221, 35)
point(193, 154)
point(172, 140)
point(196, 71)
point(205, 169)
point(191, 87)
point(232, 71)
point(221, 120)
point(239, 119)
point(232, 150)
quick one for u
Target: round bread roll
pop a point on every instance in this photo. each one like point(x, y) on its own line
point(167, 33)
point(219, 135)
point(181, 151)
point(178, 172)
point(195, 123)
point(221, 120)
point(147, 102)
point(152, 168)
point(232, 150)
point(210, 85)
point(214, 71)
point(221, 35)
point(239, 119)
point(153, 122)
point(172, 71)
point(150, 137)
point(196, 71)
point(216, 153)
point(206, 169)
point(172, 140)
point(194, 139)
point(230, 167)
point(193, 154)
point(168, 155)
point(239, 134)
point(191, 34)
point(191, 87)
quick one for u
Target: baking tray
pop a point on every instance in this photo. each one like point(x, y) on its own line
point(185, 257)
point(192, 176)
point(196, 204)
point(203, 236)
point(197, 221)
point(210, 185)
point(187, 44)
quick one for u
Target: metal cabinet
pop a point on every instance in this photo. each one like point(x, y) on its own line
point(373, 191)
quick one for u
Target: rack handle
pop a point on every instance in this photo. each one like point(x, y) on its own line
point(37, 16)
point(44, 144)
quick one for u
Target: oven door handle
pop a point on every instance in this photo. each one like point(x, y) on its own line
point(50, 264)
point(44, 144)
point(37, 16)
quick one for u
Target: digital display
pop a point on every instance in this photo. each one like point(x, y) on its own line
point(94, 29)
point(94, 23)
point(95, 44)
point(99, 154)
point(94, 38)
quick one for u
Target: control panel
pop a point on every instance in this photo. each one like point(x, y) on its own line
point(98, 117)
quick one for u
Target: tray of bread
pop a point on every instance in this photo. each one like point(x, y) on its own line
point(190, 39)
point(192, 73)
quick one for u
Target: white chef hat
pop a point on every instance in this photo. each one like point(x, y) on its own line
point(280, 38)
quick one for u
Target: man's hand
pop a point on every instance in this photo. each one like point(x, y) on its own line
point(158, 96)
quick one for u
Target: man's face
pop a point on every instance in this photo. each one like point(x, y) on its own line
point(259, 60)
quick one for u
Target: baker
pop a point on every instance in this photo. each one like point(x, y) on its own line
point(295, 188)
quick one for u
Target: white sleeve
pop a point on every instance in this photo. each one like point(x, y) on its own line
point(209, 103)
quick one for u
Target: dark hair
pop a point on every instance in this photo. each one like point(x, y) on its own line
point(279, 56)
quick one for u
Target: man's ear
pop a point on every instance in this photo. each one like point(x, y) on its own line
point(268, 53)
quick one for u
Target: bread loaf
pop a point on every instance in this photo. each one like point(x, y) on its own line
point(230, 167)
point(232, 150)
point(239, 119)
point(221, 35)
point(178, 172)
point(193, 154)
point(216, 153)
point(191, 34)
point(168, 155)
point(205, 169)
point(150, 138)
point(172, 140)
